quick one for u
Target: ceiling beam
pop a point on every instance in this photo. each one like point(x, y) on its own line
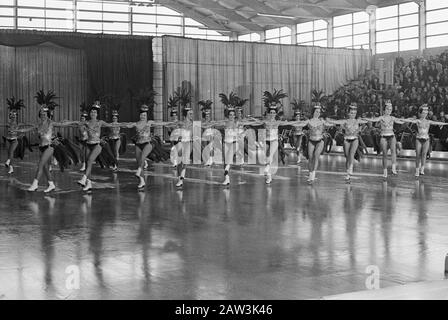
point(260, 7)
point(354, 8)
point(360, 3)
point(230, 14)
point(193, 14)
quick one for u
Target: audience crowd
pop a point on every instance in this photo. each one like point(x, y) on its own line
point(416, 82)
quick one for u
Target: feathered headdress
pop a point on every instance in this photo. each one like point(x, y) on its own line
point(228, 100)
point(14, 105)
point(240, 103)
point(84, 110)
point(319, 96)
point(114, 109)
point(298, 106)
point(146, 96)
point(144, 108)
point(96, 105)
point(172, 105)
point(271, 99)
point(46, 99)
point(115, 113)
point(183, 96)
point(185, 110)
point(206, 106)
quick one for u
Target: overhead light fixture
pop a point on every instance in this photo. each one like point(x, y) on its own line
point(275, 15)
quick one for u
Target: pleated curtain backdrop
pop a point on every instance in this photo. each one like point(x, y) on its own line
point(77, 67)
point(25, 70)
point(211, 67)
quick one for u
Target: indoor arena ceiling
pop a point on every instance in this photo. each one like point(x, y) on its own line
point(245, 16)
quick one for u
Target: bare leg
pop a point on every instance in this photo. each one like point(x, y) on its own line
point(310, 157)
point(83, 154)
point(272, 159)
point(347, 145)
point(44, 161)
point(317, 152)
point(47, 172)
point(384, 149)
point(240, 150)
point(143, 155)
point(185, 159)
point(393, 151)
point(12, 147)
point(298, 145)
point(228, 159)
point(42, 167)
point(273, 153)
point(353, 149)
point(425, 149)
point(91, 159)
point(83, 157)
point(117, 148)
point(418, 156)
point(138, 157)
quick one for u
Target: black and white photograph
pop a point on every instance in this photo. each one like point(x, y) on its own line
point(224, 155)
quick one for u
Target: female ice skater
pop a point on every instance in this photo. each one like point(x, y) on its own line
point(351, 127)
point(143, 146)
point(207, 131)
point(186, 128)
point(271, 125)
point(184, 147)
point(422, 138)
point(232, 135)
point(94, 143)
point(83, 137)
point(298, 136)
point(117, 141)
point(316, 143)
point(388, 139)
point(48, 147)
point(12, 138)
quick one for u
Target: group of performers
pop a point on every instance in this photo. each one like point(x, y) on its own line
point(91, 147)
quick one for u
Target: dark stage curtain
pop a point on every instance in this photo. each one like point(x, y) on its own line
point(120, 67)
point(25, 70)
point(97, 65)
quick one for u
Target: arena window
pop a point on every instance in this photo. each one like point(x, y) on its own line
point(95, 16)
point(251, 37)
point(313, 33)
point(351, 31)
point(437, 23)
point(397, 28)
point(279, 35)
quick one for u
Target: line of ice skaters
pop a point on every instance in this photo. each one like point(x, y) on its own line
point(315, 138)
point(233, 127)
